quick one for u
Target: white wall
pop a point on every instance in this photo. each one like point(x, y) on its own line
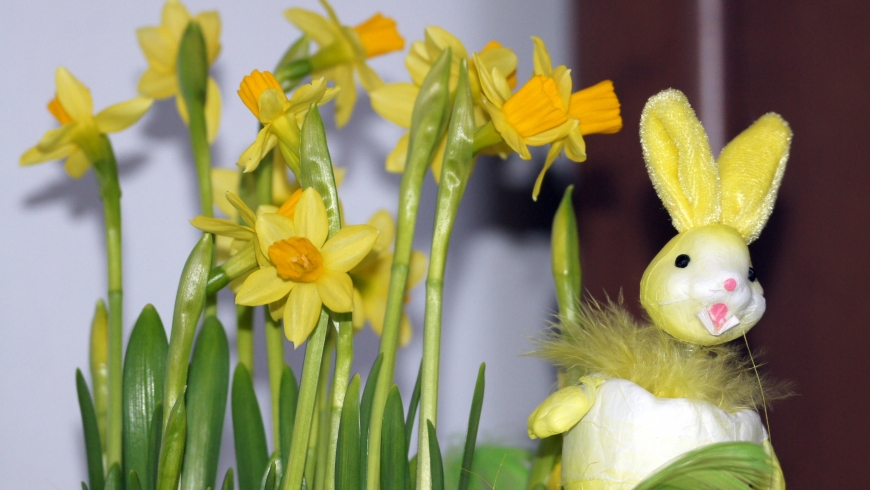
point(499, 290)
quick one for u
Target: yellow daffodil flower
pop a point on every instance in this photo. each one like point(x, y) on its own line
point(596, 110)
point(232, 236)
point(305, 270)
point(371, 279)
point(281, 117)
point(344, 50)
point(395, 101)
point(77, 139)
point(160, 46)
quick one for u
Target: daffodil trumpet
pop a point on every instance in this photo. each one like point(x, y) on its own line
point(428, 123)
point(455, 172)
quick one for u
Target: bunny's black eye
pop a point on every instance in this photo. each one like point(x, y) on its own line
point(751, 274)
point(682, 261)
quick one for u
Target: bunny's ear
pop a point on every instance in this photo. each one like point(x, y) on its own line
point(751, 168)
point(679, 160)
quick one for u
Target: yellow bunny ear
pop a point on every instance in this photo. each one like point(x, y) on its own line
point(751, 168)
point(679, 160)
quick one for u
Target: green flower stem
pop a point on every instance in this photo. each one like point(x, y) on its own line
point(100, 152)
point(454, 176)
point(318, 442)
point(275, 357)
point(99, 357)
point(245, 336)
point(486, 136)
point(237, 265)
point(341, 378)
point(428, 122)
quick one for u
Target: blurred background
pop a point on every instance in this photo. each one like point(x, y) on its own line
point(735, 60)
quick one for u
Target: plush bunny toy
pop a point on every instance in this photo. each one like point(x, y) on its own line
point(641, 397)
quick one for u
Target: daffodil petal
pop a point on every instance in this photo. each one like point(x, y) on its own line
point(358, 316)
point(550, 135)
point(262, 287)
point(175, 17)
point(562, 77)
point(438, 159)
point(335, 290)
point(416, 269)
point(575, 146)
point(368, 78)
point(244, 211)
point(395, 102)
point(499, 57)
point(272, 228)
point(73, 96)
point(383, 221)
point(348, 247)
point(212, 109)
point(396, 159)
point(158, 46)
point(250, 158)
point(507, 132)
point(310, 218)
point(543, 65)
point(210, 22)
point(35, 155)
point(314, 25)
point(346, 99)
point(417, 62)
point(270, 104)
point(552, 154)
point(224, 180)
point(121, 116)
point(158, 84)
point(182, 108)
point(405, 331)
point(276, 309)
point(57, 137)
point(375, 307)
point(301, 313)
point(222, 227)
point(77, 164)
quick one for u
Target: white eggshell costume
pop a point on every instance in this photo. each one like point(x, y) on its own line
point(628, 433)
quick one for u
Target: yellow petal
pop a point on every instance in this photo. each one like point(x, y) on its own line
point(210, 22)
point(575, 146)
point(270, 104)
point(543, 65)
point(301, 313)
point(550, 135)
point(552, 154)
point(405, 331)
point(395, 102)
point(35, 155)
point(73, 96)
point(375, 308)
point(321, 30)
point(262, 287)
point(159, 47)
point(416, 269)
point(396, 159)
point(181, 105)
point(438, 159)
point(57, 137)
point(344, 102)
point(272, 228)
point(212, 109)
point(417, 62)
point(276, 309)
point(494, 85)
point(224, 180)
point(121, 116)
point(310, 218)
point(158, 84)
point(383, 221)
point(507, 132)
point(244, 211)
point(335, 290)
point(358, 317)
point(348, 247)
point(250, 158)
point(368, 78)
point(175, 18)
point(222, 227)
point(77, 164)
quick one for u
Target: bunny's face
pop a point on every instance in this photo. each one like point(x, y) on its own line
point(701, 287)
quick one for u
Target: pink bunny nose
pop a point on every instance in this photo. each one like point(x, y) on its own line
point(730, 285)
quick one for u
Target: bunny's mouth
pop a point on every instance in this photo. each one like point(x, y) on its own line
point(716, 320)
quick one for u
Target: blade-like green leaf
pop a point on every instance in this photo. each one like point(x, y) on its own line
point(229, 482)
point(435, 458)
point(347, 466)
point(93, 450)
point(412, 408)
point(84, 486)
point(365, 411)
point(722, 466)
point(155, 439)
point(133, 480)
point(113, 478)
point(288, 398)
point(189, 302)
point(394, 453)
point(172, 447)
point(250, 435)
point(208, 384)
point(144, 371)
point(473, 424)
point(270, 479)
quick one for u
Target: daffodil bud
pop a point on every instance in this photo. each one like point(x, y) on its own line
point(193, 65)
point(565, 246)
point(100, 365)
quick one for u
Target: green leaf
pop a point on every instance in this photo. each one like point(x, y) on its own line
point(435, 463)
point(144, 371)
point(288, 397)
point(99, 357)
point(133, 481)
point(365, 414)
point(316, 166)
point(189, 302)
point(192, 65)
point(394, 452)
point(347, 467)
point(228, 480)
point(412, 408)
point(722, 466)
point(473, 424)
point(250, 435)
point(113, 478)
point(172, 447)
point(155, 439)
point(93, 450)
point(84, 486)
point(565, 245)
point(208, 384)
point(270, 479)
